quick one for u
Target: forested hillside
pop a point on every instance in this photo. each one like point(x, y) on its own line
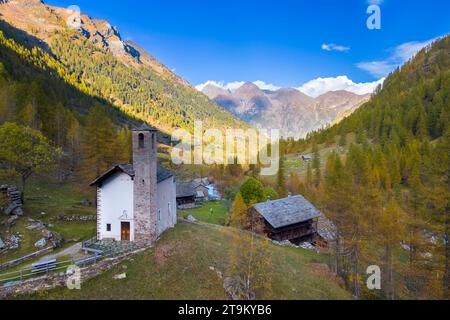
point(95, 58)
point(36, 91)
point(84, 99)
point(386, 185)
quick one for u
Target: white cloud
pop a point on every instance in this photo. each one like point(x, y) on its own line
point(233, 86)
point(313, 88)
point(334, 47)
point(202, 86)
point(319, 86)
point(266, 86)
point(399, 55)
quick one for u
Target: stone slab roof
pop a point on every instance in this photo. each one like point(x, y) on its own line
point(162, 173)
point(326, 228)
point(288, 211)
point(186, 189)
point(144, 127)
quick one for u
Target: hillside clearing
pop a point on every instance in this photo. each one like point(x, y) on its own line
point(214, 212)
point(185, 264)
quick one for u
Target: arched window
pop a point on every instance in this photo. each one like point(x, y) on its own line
point(141, 141)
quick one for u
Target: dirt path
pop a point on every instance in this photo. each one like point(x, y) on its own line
point(73, 252)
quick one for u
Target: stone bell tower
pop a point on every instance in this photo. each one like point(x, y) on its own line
point(145, 183)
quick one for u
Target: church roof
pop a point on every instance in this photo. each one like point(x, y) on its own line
point(161, 173)
point(144, 127)
point(288, 211)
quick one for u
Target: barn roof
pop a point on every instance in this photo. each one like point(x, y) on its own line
point(161, 173)
point(185, 189)
point(288, 211)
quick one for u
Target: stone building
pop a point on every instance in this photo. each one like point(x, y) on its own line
point(136, 202)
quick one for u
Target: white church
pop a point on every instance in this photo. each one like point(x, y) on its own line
point(136, 202)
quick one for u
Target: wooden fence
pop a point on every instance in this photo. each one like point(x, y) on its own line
point(15, 277)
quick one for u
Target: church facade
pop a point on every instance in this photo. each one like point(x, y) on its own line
point(136, 202)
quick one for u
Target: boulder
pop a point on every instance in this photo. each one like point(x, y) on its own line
point(18, 211)
point(11, 208)
point(191, 219)
point(120, 276)
point(11, 221)
point(2, 244)
point(12, 242)
point(36, 225)
point(41, 243)
point(86, 203)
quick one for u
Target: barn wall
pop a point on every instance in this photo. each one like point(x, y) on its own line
point(115, 197)
point(167, 218)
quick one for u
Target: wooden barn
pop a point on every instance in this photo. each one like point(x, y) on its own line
point(186, 194)
point(293, 219)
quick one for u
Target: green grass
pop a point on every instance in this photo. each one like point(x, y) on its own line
point(294, 163)
point(218, 216)
point(178, 267)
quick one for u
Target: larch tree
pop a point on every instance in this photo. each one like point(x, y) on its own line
point(238, 213)
point(391, 230)
point(100, 144)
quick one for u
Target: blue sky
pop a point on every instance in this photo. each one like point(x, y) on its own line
point(286, 42)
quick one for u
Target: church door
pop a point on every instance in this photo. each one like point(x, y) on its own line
point(125, 231)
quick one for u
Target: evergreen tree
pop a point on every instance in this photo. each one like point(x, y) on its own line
point(316, 166)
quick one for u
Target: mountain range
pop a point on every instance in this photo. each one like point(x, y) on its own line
point(293, 112)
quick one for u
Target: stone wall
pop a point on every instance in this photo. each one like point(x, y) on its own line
point(56, 280)
point(77, 218)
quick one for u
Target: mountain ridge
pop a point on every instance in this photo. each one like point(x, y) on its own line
point(288, 109)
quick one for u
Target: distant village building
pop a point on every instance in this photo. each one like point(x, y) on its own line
point(188, 193)
point(185, 194)
point(307, 158)
point(293, 219)
point(136, 202)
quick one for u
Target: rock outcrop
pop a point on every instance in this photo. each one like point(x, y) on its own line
point(13, 204)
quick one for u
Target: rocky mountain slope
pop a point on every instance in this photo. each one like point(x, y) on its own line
point(289, 110)
point(111, 68)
